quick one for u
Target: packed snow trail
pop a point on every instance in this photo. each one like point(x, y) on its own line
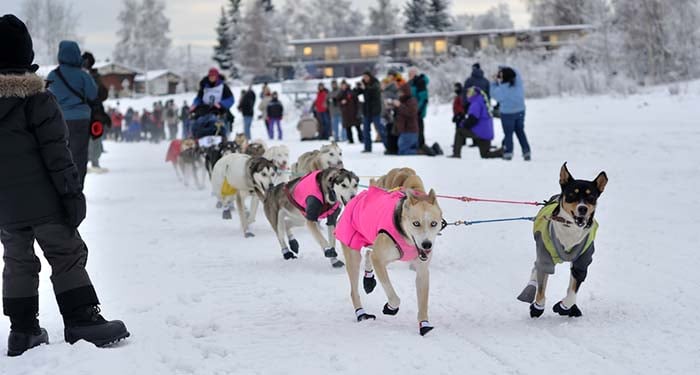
point(198, 298)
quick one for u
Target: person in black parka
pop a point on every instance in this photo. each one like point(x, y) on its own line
point(41, 200)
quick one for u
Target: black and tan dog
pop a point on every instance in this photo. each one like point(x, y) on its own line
point(305, 201)
point(564, 232)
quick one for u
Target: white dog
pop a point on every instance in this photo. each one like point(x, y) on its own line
point(329, 156)
point(239, 176)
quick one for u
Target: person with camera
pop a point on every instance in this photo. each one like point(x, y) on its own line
point(74, 88)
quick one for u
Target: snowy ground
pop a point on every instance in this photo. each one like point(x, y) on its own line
point(198, 298)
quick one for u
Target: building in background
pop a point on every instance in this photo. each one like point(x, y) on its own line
point(159, 82)
point(117, 78)
point(349, 57)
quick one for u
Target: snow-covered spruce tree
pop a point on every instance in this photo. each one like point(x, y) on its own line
point(222, 50)
point(144, 41)
point(49, 22)
point(498, 17)
point(322, 19)
point(416, 12)
point(233, 31)
point(557, 12)
point(261, 40)
point(126, 49)
point(383, 20)
point(438, 17)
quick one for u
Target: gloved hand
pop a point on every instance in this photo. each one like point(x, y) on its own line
point(75, 209)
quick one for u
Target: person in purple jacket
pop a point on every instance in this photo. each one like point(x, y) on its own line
point(478, 125)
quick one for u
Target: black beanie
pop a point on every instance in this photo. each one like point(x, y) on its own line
point(16, 53)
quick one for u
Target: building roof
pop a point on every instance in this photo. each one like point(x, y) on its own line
point(444, 34)
point(154, 74)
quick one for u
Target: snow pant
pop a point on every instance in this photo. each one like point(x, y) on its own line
point(78, 142)
point(348, 133)
point(324, 120)
point(408, 143)
point(514, 122)
point(392, 141)
point(367, 128)
point(421, 131)
point(338, 134)
point(95, 150)
point(461, 135)
point(172, 131)
point(271, 128)
point(66, 253)
point(247, 122)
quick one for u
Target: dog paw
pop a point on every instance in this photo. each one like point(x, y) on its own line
point(536, 310)
point(288, 254)
point(248, 235)
point(226, 215)
point(362, 315)
point(369, 283)
point(573, 311)
point(337, 263)
point(294, 246)
point(219, 205)
point(330, 252)
point(389, 311)
point(528, 294)
point(425, 327)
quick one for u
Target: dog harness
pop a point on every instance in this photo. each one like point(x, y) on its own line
point(308, 187)
point(369, 214)
point(543, 225)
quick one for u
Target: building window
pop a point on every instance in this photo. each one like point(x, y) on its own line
point(328, 72)
point(440, 46)
point(415, 49)
point(554, 39)
point(308, 51)
point(369, 50)
point(509, 42)
point(331, 53)
point(483, 42)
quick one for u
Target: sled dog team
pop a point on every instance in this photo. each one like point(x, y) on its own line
point(396, 219)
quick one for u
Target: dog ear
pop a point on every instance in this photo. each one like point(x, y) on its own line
point(413, 199)
point(432, 198)
point(601, 181)
point(564, 176)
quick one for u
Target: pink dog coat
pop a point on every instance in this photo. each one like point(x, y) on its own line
point(308, 187)
point(368, 214)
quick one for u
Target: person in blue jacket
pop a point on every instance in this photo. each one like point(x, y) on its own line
point(74, 89)
point(215, 94)
point(509, 92)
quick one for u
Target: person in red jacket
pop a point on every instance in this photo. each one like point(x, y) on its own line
point(322, 112)
point(117, 119)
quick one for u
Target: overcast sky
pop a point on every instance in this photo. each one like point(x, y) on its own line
point(193, 21)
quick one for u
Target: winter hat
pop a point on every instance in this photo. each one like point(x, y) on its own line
point(476, 66)
point(213, 72)
point(16, 50)
point(88, 60)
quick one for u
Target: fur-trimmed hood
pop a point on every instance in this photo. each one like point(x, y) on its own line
point(20, 86)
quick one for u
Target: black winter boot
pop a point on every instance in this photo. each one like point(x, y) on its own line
point(20, 341)
point(86, 323)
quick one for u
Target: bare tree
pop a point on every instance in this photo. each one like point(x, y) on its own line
point(49, 22)
point(498, 17)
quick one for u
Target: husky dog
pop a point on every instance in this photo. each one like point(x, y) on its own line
point(397, 226)
point(403, 178)
point(190, 159)
point(279, 155)
point(255, 149)
point(306, 200)
point(216, 151)
point(241, 141)
point(329, 156)
point(564, 232)
point(239, 176)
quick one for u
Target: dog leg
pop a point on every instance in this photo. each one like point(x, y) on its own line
point(253, 213)
point(567, 307)
point(242, 216)
point(354, 258)
point(293, 243)
point(380, 259)
point(368, 281)
point(528, 294)
point(281, 232)
point(328, 251)
point(537, 308)
point(422, 292)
